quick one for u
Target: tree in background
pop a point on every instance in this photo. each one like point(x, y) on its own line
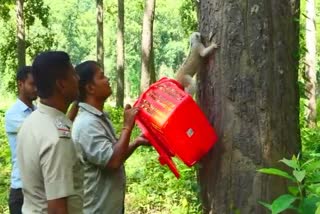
point(26, 13)
point(18, 42)
point(120, 55)
point(310, 64)
point(21, 42)
point(73, 23)
point(249, 91)
point(189, 15)
point(148, 75)
point(72, 27)
point(100, 47)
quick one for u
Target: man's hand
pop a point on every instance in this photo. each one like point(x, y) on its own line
point(129, 116)
point(141, 140)
point(59, 205)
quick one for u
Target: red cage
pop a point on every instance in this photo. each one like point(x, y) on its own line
point(174, 124)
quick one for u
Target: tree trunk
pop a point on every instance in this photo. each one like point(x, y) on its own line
point(120, 55)
point(249, 91)
point(152, 66)
point(147, 64)
point(21, 43)
point(100, 47)
point(311, 73)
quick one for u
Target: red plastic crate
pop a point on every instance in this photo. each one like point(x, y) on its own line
point(174, 124)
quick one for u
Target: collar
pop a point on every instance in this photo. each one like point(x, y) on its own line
point(90, 109)
point(50, 110)
point(24, 107)
point(59, 115)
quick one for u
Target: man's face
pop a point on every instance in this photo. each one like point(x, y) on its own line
point(27, 88)
point(101, 85)
point(71, 90)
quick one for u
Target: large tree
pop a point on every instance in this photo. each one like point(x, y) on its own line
point(100, 47)
point(21, 42)
point(311, 73)
point(120, 54)
point(249, 92)
point(147, 54)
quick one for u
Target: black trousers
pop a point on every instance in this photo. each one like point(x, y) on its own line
point(15, 201)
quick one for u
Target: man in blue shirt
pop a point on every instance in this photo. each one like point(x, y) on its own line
point(14, 118)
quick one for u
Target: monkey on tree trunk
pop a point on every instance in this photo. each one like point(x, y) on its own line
point(194, 62)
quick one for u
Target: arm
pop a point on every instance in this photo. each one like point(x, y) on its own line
point(120, 150)
point(57, 160)
point(132, 147)
point(135, 144)
point(205, 51)
point(13, 123)
point(97, 145)
point(57, 206)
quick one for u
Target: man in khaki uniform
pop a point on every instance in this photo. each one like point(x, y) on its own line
point(51, 172)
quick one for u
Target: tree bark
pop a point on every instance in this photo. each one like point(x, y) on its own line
point(311, 57)
point(120, 55)
point(100, 46)
point(249, 91)
point(147, 58)
point(21, 43)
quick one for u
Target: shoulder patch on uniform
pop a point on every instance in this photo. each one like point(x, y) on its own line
point(63, 129)
point(64, 134)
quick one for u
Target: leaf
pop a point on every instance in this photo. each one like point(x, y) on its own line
point(318, 210)
point(307, 164)
point(278, 172)
point(291, 163)
point(299, 175)
point(293, 190)
point(309, 205)
point(266, 205)
point(282, 203)
point(314, 179)
point(311, 166)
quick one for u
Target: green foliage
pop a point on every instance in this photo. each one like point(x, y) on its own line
point(154, 189)
point(34, 9)
point(303, 195)
point(36, 15)
point(278, 172)
point(5, 7)
point(280, 204)
point(188, 14)
point(73, 23)
point(310, 137)
point(5, 168)
point(70, 25)
point(8, 60)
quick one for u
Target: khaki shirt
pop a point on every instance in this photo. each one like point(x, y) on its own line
point(49, 162)
point(104, 189)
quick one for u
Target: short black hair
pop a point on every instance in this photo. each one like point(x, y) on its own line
point(85, 71)
point(47, 68)
point(23, 72)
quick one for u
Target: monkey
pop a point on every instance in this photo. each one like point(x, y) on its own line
point(193, 63)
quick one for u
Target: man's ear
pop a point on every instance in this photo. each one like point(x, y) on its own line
point(61, 85)
point(89, 88)
point(19, 84)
